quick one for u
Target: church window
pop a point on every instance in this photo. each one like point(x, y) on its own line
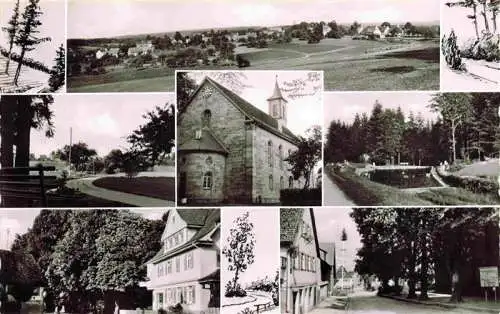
point(281, 156)
point(207, 180)
point(290, 182)
point(271, 183)
point(205, 119)
point(282, 183)
point(270, 160)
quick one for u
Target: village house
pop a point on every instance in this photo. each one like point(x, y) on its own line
point(186, 270)
point(302, 284)
point(230, 151)
point(133, 52)
point(326, 29)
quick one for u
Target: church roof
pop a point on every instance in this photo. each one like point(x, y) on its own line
point(262, 119)
point(207, 142)
point(277, 92)
point(205, 220)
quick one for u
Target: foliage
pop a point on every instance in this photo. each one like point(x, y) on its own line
point(26, 37)
point(306, 157)
point(485, 48)
point(155, 139)
point(58, 71)
point(81, 154)
point(185, 87)
point(11, 31)
point(451, 52)
point(300, 197)
point(242, 61)
point(239, 250)
point(473, 184)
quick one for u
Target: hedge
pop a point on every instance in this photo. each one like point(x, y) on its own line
point(26, 61)
point(294, 197)
point(473, 184)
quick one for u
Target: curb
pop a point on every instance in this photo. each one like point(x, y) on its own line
point(443, 305)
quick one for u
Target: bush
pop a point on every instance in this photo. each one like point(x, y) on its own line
point(486, 48)
point(292, 197)
point(473, 184)
point(451, 52)
point(242, 62)
point(232, 291)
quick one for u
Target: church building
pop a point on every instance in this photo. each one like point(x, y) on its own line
point(230, 151)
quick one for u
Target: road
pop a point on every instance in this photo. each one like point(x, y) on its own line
point(333, 195)
point(368, 303)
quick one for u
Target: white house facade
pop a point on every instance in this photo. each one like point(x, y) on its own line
point(186, 271)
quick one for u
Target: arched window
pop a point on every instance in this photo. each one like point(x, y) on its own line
point(276, 108)
point(280, 148)
point(207, 180)
point(271, 183)
point(206, 117)
point(282, 183)
point(270, 160)
point(290, 182)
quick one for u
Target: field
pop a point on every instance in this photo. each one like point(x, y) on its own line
point(407, 64)
point(156, 187)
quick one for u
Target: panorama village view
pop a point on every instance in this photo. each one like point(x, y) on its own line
point(247, 157)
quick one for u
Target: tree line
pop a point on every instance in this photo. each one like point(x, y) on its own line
point(90, 259)
point(467, 127)
point(430, 248)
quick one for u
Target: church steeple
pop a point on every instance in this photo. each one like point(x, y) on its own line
point(277, 105)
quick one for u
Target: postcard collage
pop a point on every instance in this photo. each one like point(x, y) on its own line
point(249, 156)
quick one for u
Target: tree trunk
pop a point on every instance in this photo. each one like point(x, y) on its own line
point(474, 7)
point(7, 109)
point(485, 17)
point(453, 140)
point(494, 21)
point(8, 59)
point(456, 289)
point(424, 264)
point(411, 273)
point(23, 127)
point(236, 277)
point(19, 65)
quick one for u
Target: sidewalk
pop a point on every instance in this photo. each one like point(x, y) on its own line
point(332, 305)
point(441, 300)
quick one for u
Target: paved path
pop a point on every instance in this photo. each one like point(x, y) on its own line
point(333, 195)
point(260, 298)
point(86, 186)
point(369, 303)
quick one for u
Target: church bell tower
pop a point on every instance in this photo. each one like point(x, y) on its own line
point(277, 106)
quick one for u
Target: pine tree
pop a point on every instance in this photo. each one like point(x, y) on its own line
point(26, 38)
point(57, 76)
point(11, 31)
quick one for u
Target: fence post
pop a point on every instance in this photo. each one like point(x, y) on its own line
point(42, 187)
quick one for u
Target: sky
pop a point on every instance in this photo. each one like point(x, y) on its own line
point(18, 221)
point(329, 224)
point(53, 26)
point(344, 106)
point(456, 18)
point(267, 243)
point(91, 18)
point(103, 121)
point(303, 112)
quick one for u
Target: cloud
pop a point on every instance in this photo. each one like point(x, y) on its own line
point(103, 124)
point(251, 14)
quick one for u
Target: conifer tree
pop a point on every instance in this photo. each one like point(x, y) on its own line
point(11, 31)
point(57, 76)
point(26, 38)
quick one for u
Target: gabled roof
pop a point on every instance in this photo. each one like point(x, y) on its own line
point(290, 219)
point(205, 220)
point(207, 142)
point(369, 30)
point(253, 113)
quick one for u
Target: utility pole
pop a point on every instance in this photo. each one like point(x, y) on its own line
point(343, 238)
point(69, 155)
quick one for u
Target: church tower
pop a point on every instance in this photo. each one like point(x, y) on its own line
point(277, 106)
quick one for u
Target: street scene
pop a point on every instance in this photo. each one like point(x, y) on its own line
point(249, 138)
point(250, 261)
point(389, 260)
point(470, 51)
point(32, 46)
point(87, 151)
point(374, 45)
point(411, 148)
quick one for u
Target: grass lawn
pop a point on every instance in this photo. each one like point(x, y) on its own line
point(83, 201)
point(368, 193)
point(157, 187)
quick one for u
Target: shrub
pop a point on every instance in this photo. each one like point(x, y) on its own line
point(291, 197)
point(451, 51)
point(486, 48)
point(232, 291)
point(246, 310)
point(473, 184)
point(242, 62)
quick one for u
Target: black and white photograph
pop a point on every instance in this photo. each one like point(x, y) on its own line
point(470, 46)
point(411, 148)
point(250, 260)
point(89, 261)
point(361, 45)
point(389, 260)
point(87, 150)
point(249, 137)
point(32, 46)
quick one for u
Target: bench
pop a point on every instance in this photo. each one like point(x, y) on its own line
point(19, 186)
point(262, 307)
